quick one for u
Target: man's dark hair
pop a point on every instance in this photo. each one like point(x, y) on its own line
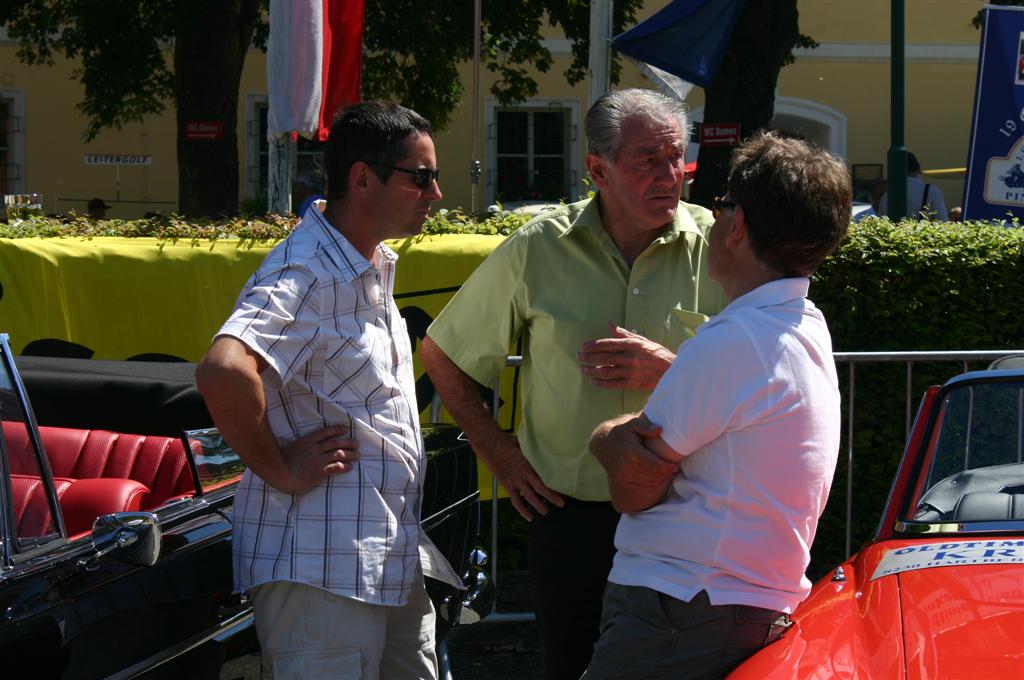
point(796, 199)
point(374, 132)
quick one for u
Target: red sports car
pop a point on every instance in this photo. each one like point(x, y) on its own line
point(939, 591)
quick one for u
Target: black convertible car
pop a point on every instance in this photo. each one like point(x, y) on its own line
point(116, 498)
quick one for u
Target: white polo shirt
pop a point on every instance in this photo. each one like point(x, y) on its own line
point(752, 401)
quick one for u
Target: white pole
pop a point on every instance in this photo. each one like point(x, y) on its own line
point(600, 48)
point(279, 175)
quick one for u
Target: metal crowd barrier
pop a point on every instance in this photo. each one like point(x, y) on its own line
point(852, 359)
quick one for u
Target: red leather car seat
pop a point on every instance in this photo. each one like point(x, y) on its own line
point(159, 463)
point(31, 512)
point(81, 501)
point(86, 499)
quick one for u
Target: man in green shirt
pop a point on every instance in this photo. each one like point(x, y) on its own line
point(601, 293)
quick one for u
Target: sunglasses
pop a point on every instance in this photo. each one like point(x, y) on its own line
point(423, 178)
point(719, 204)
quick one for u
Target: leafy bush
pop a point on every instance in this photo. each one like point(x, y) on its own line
point(254, 227)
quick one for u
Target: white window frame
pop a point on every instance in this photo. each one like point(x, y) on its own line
point(572, 160)
point(253, 102)
point(17, 141)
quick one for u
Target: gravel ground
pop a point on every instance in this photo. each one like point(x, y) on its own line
point(495, 650)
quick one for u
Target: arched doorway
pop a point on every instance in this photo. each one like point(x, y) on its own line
point(815, 122)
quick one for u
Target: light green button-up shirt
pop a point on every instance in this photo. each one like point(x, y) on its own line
point(556, 283)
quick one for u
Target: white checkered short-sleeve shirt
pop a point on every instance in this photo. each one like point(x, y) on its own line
point(338, 351)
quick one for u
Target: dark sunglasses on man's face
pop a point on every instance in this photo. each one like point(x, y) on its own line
point(719, 204)
point(423, 178)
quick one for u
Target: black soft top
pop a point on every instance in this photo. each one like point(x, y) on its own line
point(153, 398)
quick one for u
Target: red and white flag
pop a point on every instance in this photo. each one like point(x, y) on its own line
point(314, 59)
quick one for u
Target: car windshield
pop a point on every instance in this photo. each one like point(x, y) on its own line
point(974, 470)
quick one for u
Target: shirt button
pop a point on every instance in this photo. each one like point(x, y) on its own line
point(636, 291)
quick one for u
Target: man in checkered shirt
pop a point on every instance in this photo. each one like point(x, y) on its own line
point(311, 381)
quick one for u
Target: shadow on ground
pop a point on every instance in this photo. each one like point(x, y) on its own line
point(495, 650)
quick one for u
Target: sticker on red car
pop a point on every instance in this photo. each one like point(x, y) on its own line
point(951, 554)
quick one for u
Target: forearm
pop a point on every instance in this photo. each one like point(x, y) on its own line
point(461, 396)
point(628, 497)
point(637, 479)
point(228, 380)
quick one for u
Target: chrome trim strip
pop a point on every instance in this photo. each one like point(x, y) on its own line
point(918, 528)
point(231, 625)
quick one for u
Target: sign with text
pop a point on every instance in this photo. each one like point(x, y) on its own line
point(203, 130)
point(720, 134)
point(117, 159)
point(959, 553)
point(995, 159)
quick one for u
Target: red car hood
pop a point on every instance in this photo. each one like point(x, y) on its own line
point(962, 621)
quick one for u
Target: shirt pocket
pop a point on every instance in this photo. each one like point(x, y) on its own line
point(682, 325)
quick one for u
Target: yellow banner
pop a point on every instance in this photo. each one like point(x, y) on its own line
point(139, 298)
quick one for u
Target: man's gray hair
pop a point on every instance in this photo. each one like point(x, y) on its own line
point(606, 117)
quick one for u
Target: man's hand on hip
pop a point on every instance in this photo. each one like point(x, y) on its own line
point(624, 361)
point(525, 488)
point(317, 455)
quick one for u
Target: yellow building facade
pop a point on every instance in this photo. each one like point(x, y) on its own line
point(836, 94)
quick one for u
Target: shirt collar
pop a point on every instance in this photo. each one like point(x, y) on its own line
point(352, 263)
point(777, 292)
point(590, 219)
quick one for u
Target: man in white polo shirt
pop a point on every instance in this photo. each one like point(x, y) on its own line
point(723, 476)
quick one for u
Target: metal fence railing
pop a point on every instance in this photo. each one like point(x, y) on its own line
point(850, 359)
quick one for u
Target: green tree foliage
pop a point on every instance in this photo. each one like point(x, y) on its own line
point(118, 44)
point(412, 49)
point(134, 56)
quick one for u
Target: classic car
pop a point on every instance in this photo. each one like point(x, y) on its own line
point(939, 591)
point(116, 499)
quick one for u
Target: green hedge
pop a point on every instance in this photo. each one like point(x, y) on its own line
point(252, 227)
point(906, 286)
point(912, 286)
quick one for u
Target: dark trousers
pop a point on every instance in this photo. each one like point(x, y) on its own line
point(647, 635)
point(570, 552)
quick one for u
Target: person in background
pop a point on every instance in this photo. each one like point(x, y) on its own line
point(310, 380)
point(308, 188)
point(97, 209)
point(877, 190)
point(924, 200)
point(600, 292)
point(723, 475)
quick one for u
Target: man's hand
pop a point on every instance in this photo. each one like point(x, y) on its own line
point(624, 361)
point(496, 448)
point(510, 467)
point(319, 454)
point(639, 464)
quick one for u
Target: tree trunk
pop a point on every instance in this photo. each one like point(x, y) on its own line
point(744, 90)
point(211, 43)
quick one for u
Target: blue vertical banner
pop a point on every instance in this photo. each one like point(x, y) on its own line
point(994, 189)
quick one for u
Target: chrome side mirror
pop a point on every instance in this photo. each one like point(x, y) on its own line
point(131, 537)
